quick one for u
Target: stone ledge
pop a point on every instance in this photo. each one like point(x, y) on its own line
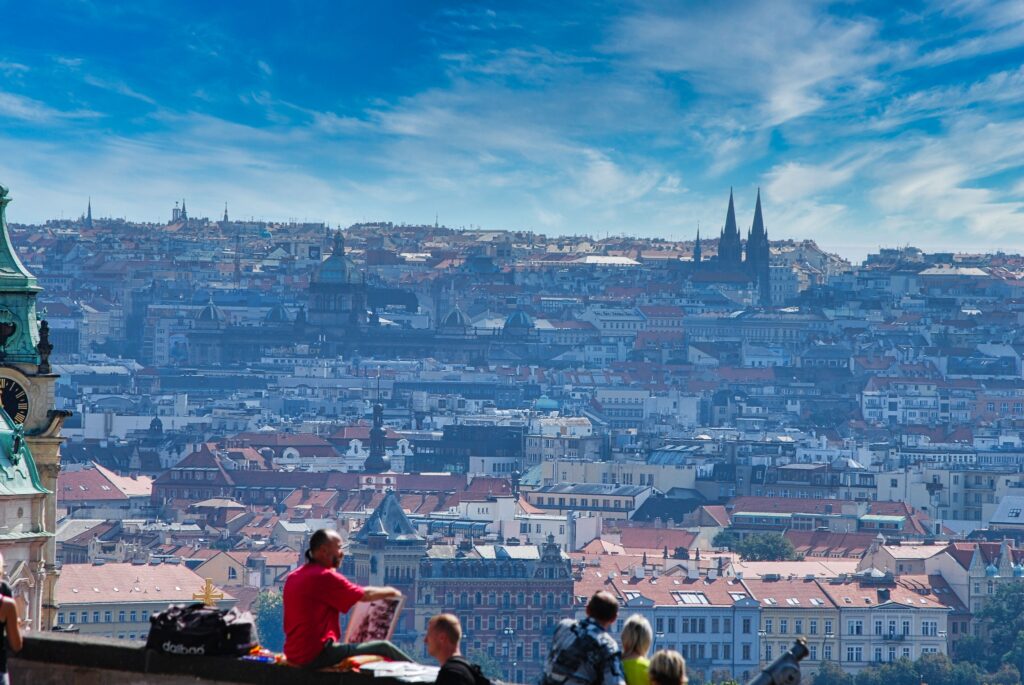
point(57, 659)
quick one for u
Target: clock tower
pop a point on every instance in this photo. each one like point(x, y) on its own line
point(29, 439)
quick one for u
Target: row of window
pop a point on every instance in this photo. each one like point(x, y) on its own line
point(798, 626)
point(107, 616)
point(583, 502)
point(856, 654)
point(672, 625)
point(856, 627)
point(551, 600)
point(476, 623)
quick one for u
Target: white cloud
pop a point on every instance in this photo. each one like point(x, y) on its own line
point(26, 109)
point(119, 87)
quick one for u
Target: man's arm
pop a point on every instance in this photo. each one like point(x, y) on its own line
point(372, 593)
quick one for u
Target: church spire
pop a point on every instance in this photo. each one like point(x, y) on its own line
point(757, 230)
point(225, 212)
point(730, 247)
point(88, 213)
point(730, 219)
point(19, 323)
point(378, 460)
point(696, 248)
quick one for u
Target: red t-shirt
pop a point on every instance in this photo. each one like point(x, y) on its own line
point(314, 595)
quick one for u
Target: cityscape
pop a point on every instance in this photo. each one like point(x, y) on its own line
point(691, 334)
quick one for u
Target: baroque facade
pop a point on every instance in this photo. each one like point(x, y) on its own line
point(29, 439)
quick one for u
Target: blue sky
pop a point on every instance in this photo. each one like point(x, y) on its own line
point(863, 124)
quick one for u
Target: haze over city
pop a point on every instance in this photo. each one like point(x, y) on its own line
point(863, 124)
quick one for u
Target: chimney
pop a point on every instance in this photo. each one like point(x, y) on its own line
point(883, 595)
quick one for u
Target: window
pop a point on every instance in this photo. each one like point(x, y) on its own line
point(768, 625)
point(906, 627)
point(746, 626)
point(767, 652)
point(813, 628)
point(878, 654)
point(73, 617)
point(828, 627)
point(746, 651)
point(855, 628)
point(108, 617)
point(672, 625)
point(783, 626)
point(60, 618)
point(930, 628)
point(826, 652)
point(854, 653)
point(726, 625)
point(659, 625)
point(798, 626)
point(120, 616)
point(714, 625)
point(878, 626)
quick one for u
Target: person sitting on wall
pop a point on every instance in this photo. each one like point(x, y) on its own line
point(315, 594)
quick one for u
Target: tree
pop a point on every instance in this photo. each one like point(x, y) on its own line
point(766, 547)
point(1002, 621)
point(725, 538)
point(269, 612)
point(1007, 675)
point(831, 673)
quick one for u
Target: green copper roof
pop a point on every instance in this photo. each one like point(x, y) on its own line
point(13, 274)
point(18, 474)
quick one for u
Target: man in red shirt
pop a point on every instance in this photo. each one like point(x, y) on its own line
point(314, 596)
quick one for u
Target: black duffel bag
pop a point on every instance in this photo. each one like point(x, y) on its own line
point(201, 630)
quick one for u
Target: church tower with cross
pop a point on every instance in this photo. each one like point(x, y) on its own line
point(30, 438)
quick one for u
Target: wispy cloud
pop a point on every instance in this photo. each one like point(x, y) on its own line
point(26, 109)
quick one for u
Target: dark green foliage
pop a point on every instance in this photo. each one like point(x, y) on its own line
point(268, 609)
point(766, 547)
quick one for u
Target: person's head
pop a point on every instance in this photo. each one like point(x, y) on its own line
point(443, 635)
point(636, 636)
point(603, 608)
point(667, 667)
point(325, 548)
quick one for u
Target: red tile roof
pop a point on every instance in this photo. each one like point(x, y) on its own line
point(127, 583)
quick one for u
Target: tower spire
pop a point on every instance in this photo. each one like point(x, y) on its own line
point(757, 230)
point(696, 247)
point(225, 212)
point(88, 213)
point(730, 248)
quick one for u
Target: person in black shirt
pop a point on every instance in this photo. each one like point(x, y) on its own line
point(444, 632)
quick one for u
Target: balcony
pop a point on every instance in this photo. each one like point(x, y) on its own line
point(58, 659)
point(894, 637)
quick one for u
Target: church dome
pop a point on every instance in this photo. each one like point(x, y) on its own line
point(456, 318)
point(1018, 571)
point(211, 313)
point(338, 269)
point(277, 314)
point(992, 571)
point(518, 321)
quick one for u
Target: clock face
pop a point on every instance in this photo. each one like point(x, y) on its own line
point(14, 400)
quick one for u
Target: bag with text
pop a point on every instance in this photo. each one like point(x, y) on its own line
point(199, 630)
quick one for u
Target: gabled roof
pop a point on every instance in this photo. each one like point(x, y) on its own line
point(388, 520)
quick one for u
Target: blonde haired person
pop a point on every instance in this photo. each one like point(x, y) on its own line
point(10, 625)
point(636, 642)
point(667, 668)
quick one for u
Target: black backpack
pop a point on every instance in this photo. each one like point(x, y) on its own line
point(478, 674)
point(197, 629)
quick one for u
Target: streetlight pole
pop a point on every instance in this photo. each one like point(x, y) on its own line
point(510, 634)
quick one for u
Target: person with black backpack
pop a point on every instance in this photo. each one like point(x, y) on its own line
point(584, 652)
point(444, 632)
